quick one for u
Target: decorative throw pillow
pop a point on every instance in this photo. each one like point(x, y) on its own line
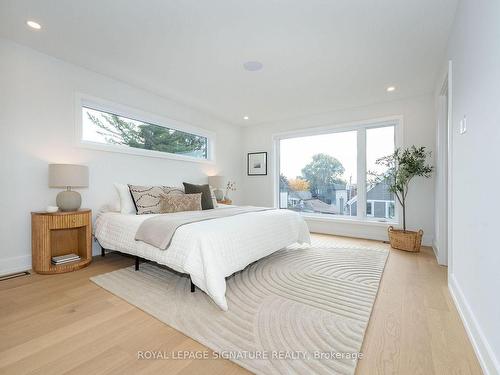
point(206, 195)
point(147, 198)
point(179, 202)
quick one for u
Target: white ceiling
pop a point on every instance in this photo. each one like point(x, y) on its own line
point(318, 55)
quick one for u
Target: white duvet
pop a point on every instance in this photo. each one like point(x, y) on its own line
point(211, 250)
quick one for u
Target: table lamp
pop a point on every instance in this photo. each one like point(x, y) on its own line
point(68, 176)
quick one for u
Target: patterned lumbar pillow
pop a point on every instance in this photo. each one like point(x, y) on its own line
point(179, 202)
point(206, 195)
point(147, 198)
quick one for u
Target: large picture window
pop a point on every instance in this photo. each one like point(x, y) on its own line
point(109, 129)
point(331, 172)
point(319, 173)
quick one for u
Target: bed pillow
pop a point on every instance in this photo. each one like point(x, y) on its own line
point(179, 202)
point(127, 205)
point(206, 195)
point(147, 198)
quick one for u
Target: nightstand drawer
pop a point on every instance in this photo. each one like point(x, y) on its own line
point(68, 221)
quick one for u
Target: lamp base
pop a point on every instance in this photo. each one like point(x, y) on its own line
point(69, 200)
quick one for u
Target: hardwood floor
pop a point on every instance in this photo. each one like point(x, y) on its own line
point(53, 324)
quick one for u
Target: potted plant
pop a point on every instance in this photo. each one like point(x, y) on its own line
point(402, 166)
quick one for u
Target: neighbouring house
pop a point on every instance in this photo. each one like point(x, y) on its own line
point(296, 197)
point(329, 200)
point(379, 202)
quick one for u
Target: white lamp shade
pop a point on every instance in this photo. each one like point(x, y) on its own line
point(68, 175)
point(217, 181)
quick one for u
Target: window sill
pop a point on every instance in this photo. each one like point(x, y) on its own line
point(141, 152)
point(356, 221)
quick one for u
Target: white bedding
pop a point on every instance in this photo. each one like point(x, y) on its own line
point(209, 250)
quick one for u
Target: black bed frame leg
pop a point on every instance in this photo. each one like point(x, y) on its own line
point(137, 263)
point(103, 253)
point(192, 286)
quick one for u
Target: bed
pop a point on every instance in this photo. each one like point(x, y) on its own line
point(208, 251)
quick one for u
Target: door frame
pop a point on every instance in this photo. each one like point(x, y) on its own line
point(449, 140)
point(443, 188)
point(443, 244)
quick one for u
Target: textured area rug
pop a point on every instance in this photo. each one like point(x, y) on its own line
point(302, 310)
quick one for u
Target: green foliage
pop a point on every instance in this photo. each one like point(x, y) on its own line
point(117, 130)
point(402, 166)
point(323, 171)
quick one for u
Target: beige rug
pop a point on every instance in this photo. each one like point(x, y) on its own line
point(299, 311)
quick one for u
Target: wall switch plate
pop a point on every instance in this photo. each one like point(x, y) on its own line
point(463, 125)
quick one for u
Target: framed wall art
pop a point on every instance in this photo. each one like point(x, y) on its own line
point(257, 164)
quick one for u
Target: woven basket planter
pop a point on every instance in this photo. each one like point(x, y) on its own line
point(405, 239)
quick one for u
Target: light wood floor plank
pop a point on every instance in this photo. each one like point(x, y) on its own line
point(77, 349)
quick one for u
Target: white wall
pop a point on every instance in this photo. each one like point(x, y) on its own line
point(37, 124)
point(474, 264)
point(419, 129)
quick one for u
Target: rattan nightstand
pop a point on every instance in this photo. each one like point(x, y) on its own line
point(60, 233)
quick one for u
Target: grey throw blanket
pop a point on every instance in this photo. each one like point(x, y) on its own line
point(159, 230)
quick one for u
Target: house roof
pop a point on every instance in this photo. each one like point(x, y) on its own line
point(318, 206)
point(379, 191)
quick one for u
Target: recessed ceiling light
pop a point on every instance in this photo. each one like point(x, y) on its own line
point(34, 25)
point(253, 66)
point(245, 117)
point(391, 89)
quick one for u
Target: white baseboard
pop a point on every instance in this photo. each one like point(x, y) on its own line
point(438, 255)
point(23, 262)
point(489, 363)
point(15, 264)
point(435, 247)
